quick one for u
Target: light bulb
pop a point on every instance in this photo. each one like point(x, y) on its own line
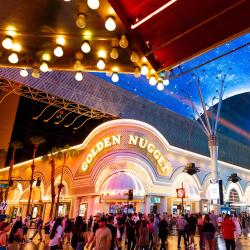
point(81, 21)
point(35, 73)
point(78, 65)
point(24, 73)
point(13, 58)
point(102, 54)
point(152, 81)
point(160, 86)
point(166, 82)
point(93, 4)
point(110, 23)
point(123, 42)
point(100, 64)
point(115, 77)
point(16, 47)
point(7, 42)
point(78, 76)
point(137, 72)
point(58, 51)
point(134, 57)
point(44, 67)
point(85, 47)
point(114, 53)
point(144, 69)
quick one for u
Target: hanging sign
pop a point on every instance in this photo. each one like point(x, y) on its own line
point(3, 205)
point(180, 193)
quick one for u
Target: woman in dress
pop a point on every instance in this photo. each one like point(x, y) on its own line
point(55, 235)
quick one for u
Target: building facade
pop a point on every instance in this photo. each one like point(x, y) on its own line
point(117, 156)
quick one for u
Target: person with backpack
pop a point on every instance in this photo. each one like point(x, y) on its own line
point(55, 235)
point(79, 237)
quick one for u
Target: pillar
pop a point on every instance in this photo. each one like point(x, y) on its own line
point(8, 109)
point(147, 205)
point(163, 207)
point(75, 207)
point(90, 207)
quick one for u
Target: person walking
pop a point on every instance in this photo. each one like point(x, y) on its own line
point(16, 236)
point(228, 228)
point(130, 232)
point(113, 230)
point(163, 231)
point(144, 236)
point(200, 231)
point(156, 231)
point(38, 228)
point(56, 235)
point(181, 225)
point(192, 221)
point(209, 233)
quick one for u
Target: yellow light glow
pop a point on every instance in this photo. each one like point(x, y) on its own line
point(87, 34)
point(115, 69)
point(13, 58)
point(11, 31)
point(144, 59)
point(78, 76)
point(24, 73)
point(115, 77)
point(137, 72)
point(46, 57)
point(102, 54)
point(44, 67)
point(8, 42)
point(114, 53)
point(110, 24)
point(81, 21)
point(123, 42)
point(16, 47)
point(60, 40)
point(85, 47)
point(144, 69)
point(58, 51)
point(134, 57)
point(93, 4)
point(101, 64)
point(152, 81)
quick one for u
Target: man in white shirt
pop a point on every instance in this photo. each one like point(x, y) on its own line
point(103, 236)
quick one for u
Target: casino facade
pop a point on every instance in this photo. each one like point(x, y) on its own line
point(120, 155)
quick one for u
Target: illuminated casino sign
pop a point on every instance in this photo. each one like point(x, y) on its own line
point(133, 140)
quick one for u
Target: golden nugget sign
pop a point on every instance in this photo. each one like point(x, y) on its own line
point(133, 140)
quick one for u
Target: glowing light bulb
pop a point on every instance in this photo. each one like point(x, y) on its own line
point(44, 67)
point(100, 64)
point(110, 23)
point(93, 4)
point(24, 73)
point(16, 47)
point(13, 58)
point(78, 76)
point(114, 53)
point(102, 54)
point(78, 65)
point(7, 42)
point(166, 82)
point(35, 73)
point(137, 72)
point(81, 21)
point(123, 42)
point(160, 86)
point(115, 77)
point(134, 57)
point(58, 51)
point(144, 69)
point(85, 47)
point(60, 40)
point(152, 81)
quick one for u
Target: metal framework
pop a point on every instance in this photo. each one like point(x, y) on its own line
point(11, 87)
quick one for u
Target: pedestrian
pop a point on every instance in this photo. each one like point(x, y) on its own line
point(181, 225)
point(200, 231)
point(38, 228)
point(67, 229)
point(237, 232)
point(130, 232)
point(113, 230)
point(103, 236)
point(228, 228)
point(46, 229)
point(56, 235)
point(4, 229)
point(192, 221)
point(151, 229)
point(156, 231)
point(163, 231)
point(144, 236)
point(209, 233)
point(137, 231)
point(79, 234)
point(16, 236)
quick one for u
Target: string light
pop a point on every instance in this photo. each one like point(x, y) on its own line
point(144, 69)
point(7, 42)
point(166, 82)
point(123, 42)
point(58, 51)
point(35, 73)
point(93, 4)
point(137, 72)
point(134, 57)
point(78, 76)
point(115, 77)
point(85, 47)
point(44, 67)
point(13, 58)
point(152, 81)
point(160, 85)
point(114, 53)
point(24, 73)
point(81, 21)
point(110, 24)
point(101, 64)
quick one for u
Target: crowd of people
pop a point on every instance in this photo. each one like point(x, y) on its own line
point(126, 231)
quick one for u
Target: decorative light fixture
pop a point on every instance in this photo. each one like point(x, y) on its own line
point(46, 57)
point(160, 85)
point(166, 82)
point(78, 66)
point(81, 21)
point(115, 77)
point(144, 69)
point(58, 51)
point(85, 47)
point(7, 42)
point(44, 67)
point(35, 73)
point(134, 57)
point(152, 80)
point(137, 72)
point(78, 76)
point(24, 73)
point(123, 42)
point(16, 47)
point(93, 4)
point(110, 24)
point(114, 53)
point(13, 58)
point(100, 64)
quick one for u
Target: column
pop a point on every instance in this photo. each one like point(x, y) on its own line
point(75, 207)
point(163, 207)
point(90, 207)
point(147, 205)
